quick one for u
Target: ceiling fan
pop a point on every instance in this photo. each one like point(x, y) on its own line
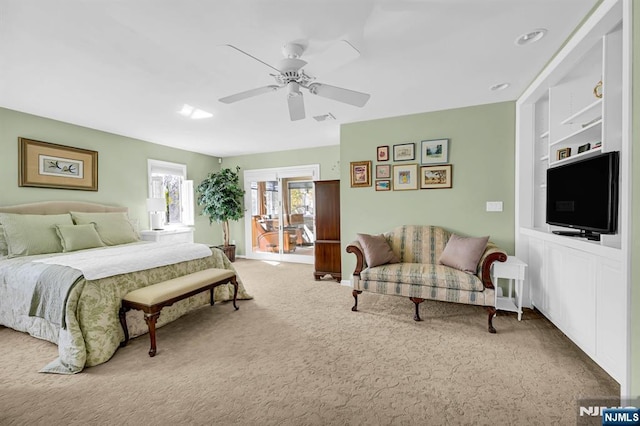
point(290, 75)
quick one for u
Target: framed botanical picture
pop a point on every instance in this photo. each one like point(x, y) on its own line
point(383, 171)
point(383, 185)
point(383, 153)
point(435, 177)
point(434, 151)
point(48, 165)
point(405, 177)
point(360, 173)
point(404, 152)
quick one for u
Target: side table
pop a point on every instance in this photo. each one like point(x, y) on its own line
point(172, 234)
point(514, 271)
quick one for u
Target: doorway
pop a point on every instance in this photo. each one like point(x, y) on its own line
point(281, 223)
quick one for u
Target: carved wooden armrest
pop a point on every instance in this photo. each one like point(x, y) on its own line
point(491, 254)
point(356, 249)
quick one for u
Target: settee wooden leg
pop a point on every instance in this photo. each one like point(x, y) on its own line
point(417, 302)
point(492, 313)
point(123, 322)
point(355, 294)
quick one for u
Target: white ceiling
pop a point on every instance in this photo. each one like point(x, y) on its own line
point(127, 66)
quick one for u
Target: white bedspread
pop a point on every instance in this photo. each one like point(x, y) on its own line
point(110, 261)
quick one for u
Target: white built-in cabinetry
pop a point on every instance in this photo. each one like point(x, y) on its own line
point(580, 285)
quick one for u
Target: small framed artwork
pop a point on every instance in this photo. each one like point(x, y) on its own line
point(584, 148)
point(383, 171)
point(360, 174)
point(435, 177)
point(434, 151)
point(405, 177)
point(383, 185)
point(48, 165)
point(404, 152)
point(563, 153)
point(383, 153)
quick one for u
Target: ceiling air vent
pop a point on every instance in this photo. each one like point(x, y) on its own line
point(324, 117)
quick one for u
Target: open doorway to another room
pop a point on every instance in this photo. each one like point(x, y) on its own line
point(281, 225)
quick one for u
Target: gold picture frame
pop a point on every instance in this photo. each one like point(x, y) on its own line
point(436, 177)
point(360, 174)
point(49, 165)
point(563, 153)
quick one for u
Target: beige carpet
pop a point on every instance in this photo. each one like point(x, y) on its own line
point(297, 355)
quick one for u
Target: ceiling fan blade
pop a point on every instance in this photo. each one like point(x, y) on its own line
point(252, 57)
point(249, 94)
point(339, 94)
point(296, 106)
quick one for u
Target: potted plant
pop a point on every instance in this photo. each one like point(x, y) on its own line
point(220, 196)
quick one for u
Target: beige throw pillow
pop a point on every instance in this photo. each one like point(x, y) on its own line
point(463, 253)
point(377, 250)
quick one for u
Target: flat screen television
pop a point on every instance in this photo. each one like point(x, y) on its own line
point(584, 195)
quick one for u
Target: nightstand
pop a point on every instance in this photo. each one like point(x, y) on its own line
point(184, 235)
point(513, 270)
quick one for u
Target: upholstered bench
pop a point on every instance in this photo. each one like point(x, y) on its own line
point(153, 298)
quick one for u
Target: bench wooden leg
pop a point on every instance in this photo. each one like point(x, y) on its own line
point(123, 321)
point(151, 323)
point(234, 281)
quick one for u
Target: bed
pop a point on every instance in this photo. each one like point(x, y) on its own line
point(70, 296)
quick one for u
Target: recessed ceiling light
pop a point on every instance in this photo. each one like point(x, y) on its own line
point(500, 86)
point(531, 37)
point(193, 112)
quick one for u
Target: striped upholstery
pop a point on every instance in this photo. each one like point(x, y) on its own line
point(419, 274)
point(423, 274)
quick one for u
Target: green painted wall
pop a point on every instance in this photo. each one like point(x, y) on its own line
point(327, 157)
point(122, 167)
point(635, 209)
point(482, 152)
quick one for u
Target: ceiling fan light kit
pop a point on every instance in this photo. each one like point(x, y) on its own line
point(291, 76)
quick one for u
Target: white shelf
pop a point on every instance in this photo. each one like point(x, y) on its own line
point(591, 133)
point(544, 135)
point(585, 154)
point(587, 113)
point(544, 158)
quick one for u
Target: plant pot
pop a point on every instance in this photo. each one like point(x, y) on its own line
point(229, 251)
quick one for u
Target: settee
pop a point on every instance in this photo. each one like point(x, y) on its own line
point(426, 262)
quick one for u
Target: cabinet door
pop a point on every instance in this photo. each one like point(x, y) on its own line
point(556, 287)
point(611, 323)
point(580, 299)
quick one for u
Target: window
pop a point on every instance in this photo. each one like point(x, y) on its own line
point(169, 181)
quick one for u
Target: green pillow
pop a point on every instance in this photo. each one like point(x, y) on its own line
point(4, 250)
point(29, 234)
point(78, 237)
point(113, 228)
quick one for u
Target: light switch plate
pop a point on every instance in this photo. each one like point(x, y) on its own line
point(494, 206)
